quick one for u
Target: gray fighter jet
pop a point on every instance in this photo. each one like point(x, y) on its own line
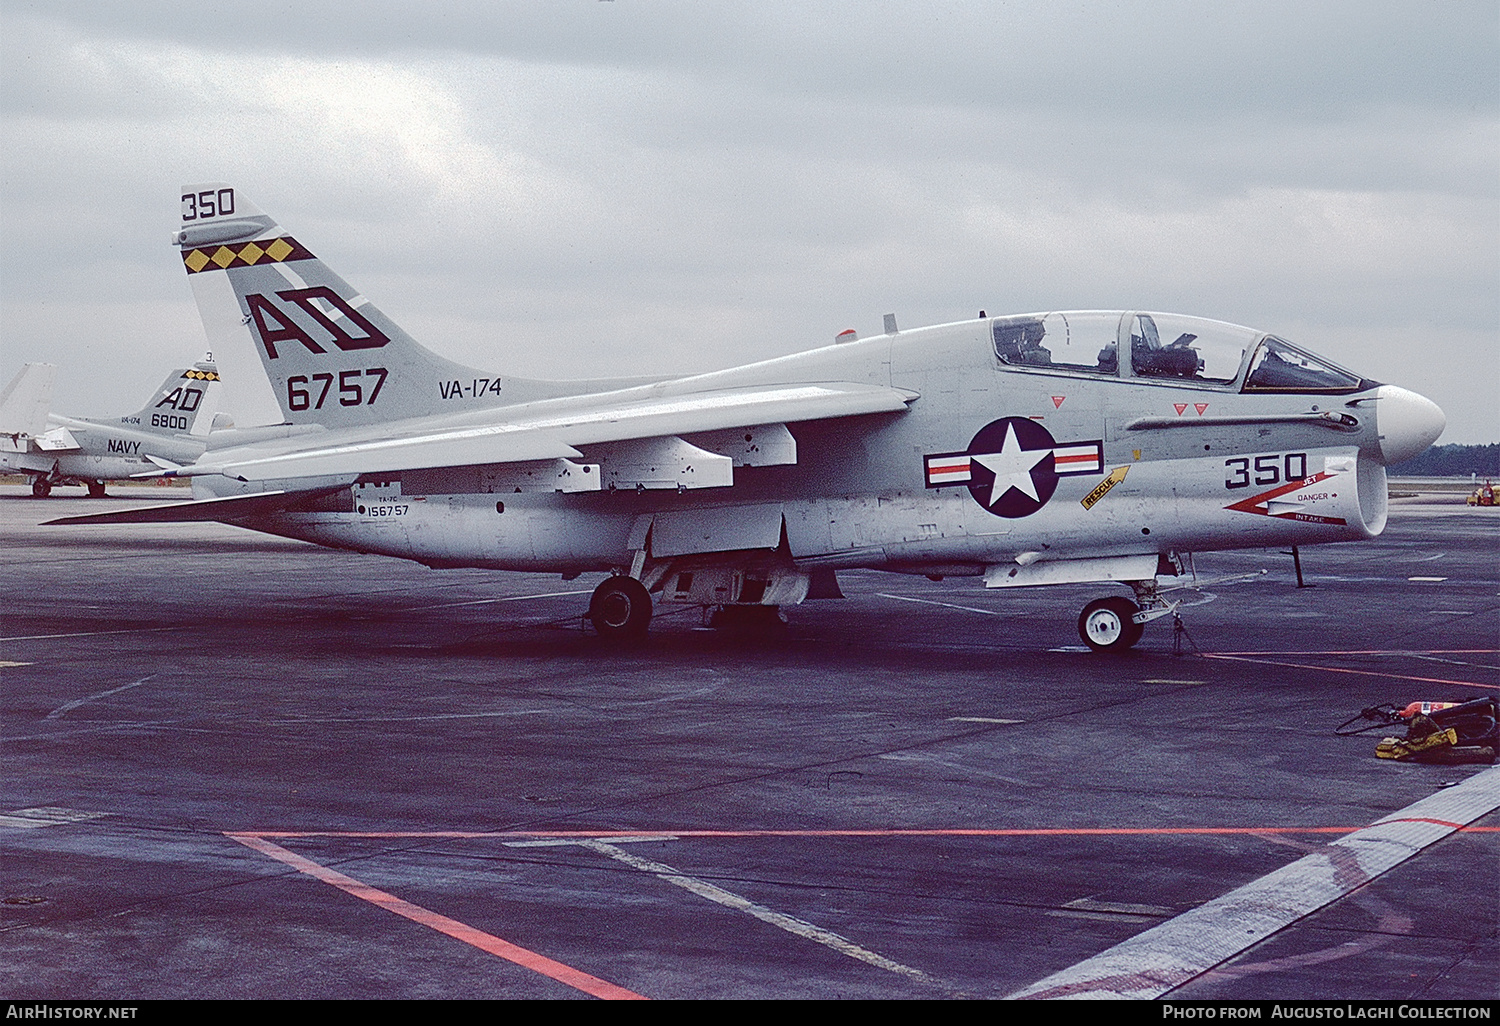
point(1046, 448)
point(171, 429)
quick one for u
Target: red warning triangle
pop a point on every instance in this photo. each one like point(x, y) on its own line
point(1200, 407)
point(1179, 407)
point(1057, 401)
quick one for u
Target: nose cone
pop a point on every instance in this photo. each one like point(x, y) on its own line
point(1407, 423)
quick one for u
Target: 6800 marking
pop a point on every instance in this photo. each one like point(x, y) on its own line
point(304, 393)
point(1270, 469)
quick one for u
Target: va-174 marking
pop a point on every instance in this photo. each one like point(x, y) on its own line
point(1101, 447)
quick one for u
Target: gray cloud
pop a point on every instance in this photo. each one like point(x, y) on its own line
point(611, 187)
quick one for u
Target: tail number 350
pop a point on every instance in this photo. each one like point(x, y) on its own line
point(1270, 469)
point(304, 393)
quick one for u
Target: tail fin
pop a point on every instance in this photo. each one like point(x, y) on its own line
point(26, 400)
point(185, 403)
point(332, 357)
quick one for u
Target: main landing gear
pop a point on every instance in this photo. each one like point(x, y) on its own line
point(96, 490)
point(621, 609)
point(40, 487)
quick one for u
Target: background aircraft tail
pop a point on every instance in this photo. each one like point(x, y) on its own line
point(26, 400)
point(332, 357)
point(185, 403)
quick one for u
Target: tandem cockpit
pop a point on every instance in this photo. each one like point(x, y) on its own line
point(1169, 349)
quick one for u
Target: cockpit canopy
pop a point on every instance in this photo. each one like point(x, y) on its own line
point(1168, 348)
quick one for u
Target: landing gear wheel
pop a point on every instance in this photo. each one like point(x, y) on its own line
point(621, 609)
point(40, 487)
point(96, 490)
point(1105, 625)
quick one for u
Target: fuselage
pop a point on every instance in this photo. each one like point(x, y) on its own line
point(103, 450)
point(1141, 455)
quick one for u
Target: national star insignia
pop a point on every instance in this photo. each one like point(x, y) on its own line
point(1012, 467)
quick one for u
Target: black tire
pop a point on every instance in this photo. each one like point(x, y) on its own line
point(1105, 625)
point(40, 487)
point(621, 609)
point(96, 490)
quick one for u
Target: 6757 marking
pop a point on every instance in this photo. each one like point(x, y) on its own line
point(304, 392)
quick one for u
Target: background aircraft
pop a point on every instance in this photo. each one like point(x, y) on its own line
point(1048, 448)
point(52, 449)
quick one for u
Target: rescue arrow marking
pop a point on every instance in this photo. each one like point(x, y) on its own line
point(1102, 488)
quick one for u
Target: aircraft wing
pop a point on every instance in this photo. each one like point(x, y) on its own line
point(547, 430)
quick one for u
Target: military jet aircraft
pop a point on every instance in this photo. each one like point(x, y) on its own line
point(171, 429)
point(1046, 448)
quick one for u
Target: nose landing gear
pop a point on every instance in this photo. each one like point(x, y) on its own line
point(1115, 624)
point(1108, 624)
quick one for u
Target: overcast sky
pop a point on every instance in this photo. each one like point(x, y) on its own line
point(585, 188)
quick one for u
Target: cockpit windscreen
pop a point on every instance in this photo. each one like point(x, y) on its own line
point(1280, 366)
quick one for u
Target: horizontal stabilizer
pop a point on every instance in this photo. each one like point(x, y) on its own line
point(223, 510)
point(59, 439)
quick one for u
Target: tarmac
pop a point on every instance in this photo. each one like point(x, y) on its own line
point(236, 766)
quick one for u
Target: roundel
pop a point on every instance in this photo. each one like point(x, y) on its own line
point(1011, 467)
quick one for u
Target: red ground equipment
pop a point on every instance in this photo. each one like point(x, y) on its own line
point(1444, 732)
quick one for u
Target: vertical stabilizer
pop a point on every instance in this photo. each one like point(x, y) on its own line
point(26, 400)
point(184, 404)
point(332, 357)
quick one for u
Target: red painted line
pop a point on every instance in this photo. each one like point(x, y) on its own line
point(1374, 651)
point(1340, 669)
point(1420, 819)
point(575, 978)
point(463, 835)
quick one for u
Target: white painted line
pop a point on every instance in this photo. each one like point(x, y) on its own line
point(507, 598)
point(66, 707)
point(979, 719)
point(930, 602)
point(1430, 580)
point(1150, 965)
point(92, 634)
point(45, 816)
point(1108, 911)
point(730, 900)
point(7, 664)
point(559, 842)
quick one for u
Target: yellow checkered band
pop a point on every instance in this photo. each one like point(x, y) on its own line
point(244, 254)
point(198, 375)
